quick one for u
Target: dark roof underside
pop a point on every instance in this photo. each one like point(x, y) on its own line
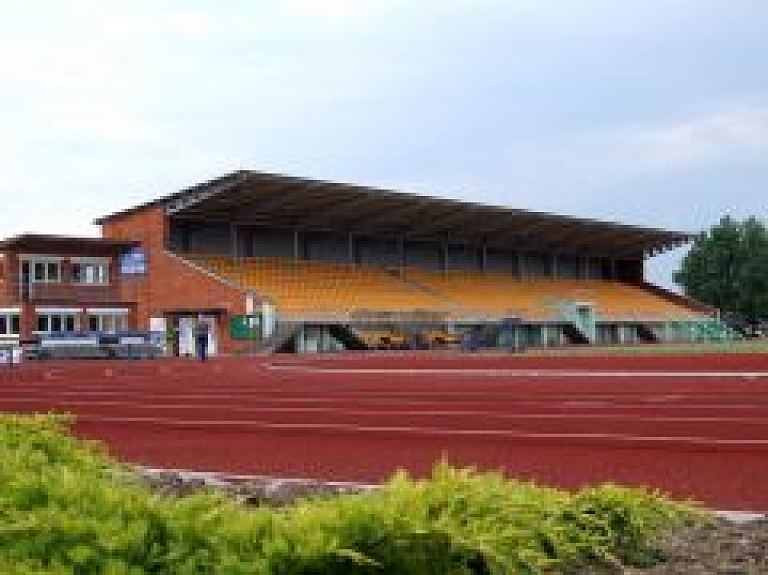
point(48, 244)
point(247, 197)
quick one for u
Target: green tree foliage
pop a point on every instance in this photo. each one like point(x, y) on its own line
point(727, 267)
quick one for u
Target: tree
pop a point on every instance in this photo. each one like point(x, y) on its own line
point(727, 267)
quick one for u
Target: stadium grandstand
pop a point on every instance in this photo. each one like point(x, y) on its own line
point(274, 262)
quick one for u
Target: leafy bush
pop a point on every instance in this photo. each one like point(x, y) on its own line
point(64, 510)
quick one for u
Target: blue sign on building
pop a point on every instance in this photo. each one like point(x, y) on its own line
point(134, 262)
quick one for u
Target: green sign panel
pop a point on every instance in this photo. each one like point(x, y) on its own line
point(245, 326)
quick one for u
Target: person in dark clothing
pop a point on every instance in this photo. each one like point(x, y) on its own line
point(201, 338)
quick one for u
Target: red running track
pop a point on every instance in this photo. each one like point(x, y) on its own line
point(694, 426)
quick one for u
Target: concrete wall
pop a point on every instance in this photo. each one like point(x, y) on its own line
point(268, 242)
point(426, 255)
point(497, 260)
point(462, 258)
point(378, 252)
point(327, 247)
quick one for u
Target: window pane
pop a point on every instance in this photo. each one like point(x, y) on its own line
point(39, 271)
point(69, 323)
point(3, 324)
point(93, 323)
point(55, 323)
point(77, 272)
point(15, 325)
point(42, 323)
point(53, 272)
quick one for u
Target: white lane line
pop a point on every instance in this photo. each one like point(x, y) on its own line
point(625, 403)
point(493, 372)
point(403, 412)
point(431, 431)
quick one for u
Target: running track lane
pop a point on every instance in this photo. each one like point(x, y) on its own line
point(571, 430)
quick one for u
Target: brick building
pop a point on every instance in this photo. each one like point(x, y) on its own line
point(62, 284)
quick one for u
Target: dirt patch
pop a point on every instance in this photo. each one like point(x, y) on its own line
point(251, 490)
point(724, 547)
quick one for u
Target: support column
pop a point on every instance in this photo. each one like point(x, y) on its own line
point(516, 336)
point(443, 256)
point(234, 241)
point(296, 245)
point(27, 320)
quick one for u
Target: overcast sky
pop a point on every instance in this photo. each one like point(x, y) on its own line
point(651, 112)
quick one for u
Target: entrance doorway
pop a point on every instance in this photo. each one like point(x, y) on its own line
point(184, 333)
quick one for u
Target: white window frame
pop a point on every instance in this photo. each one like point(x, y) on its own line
point(110, 320)
point(102, 265)
point(43, 260)
point(61, 313)
point(8, 314)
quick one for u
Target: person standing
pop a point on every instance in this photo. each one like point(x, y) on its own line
point(201, 337)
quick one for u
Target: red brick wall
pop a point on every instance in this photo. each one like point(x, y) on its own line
point(7, 281)
point(170, 283)
point(75, 296)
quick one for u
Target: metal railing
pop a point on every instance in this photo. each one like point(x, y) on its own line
point(9, 355)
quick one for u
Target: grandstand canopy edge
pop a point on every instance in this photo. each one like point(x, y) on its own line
point(257, 198)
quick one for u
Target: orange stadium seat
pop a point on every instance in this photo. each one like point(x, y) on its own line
point(302, 288)
point(501, 294)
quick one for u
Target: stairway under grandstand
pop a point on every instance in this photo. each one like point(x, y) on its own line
point(393, 308)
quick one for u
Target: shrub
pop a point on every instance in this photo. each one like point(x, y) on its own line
point(64, 509)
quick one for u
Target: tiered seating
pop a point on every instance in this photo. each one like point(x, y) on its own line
point(495, 294)
point(301, 288)
point(502, 294)
point(626, 302)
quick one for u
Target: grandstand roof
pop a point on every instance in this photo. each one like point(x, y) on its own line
point(250, 197)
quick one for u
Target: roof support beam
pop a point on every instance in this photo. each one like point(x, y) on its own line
point(196, 197)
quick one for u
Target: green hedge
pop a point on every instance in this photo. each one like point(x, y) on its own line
point(63, 510)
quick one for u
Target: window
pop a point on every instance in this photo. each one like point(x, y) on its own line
point(90, 272)
point(9, 323)
point(52, 321)
point(39, 272)
point(42, 270)
point(107, 321)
